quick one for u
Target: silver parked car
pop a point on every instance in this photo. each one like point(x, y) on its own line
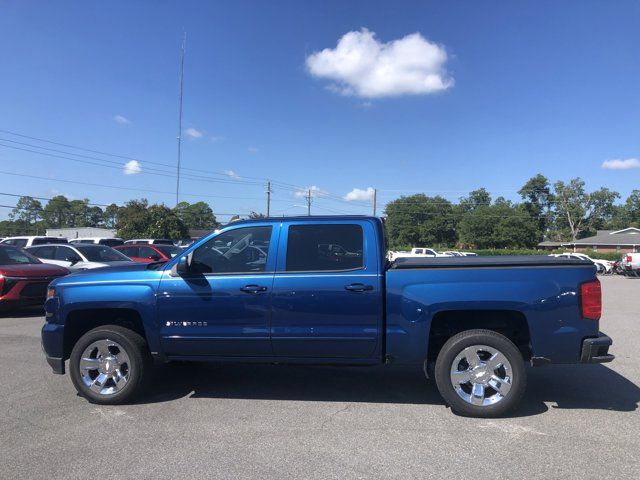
point(79, 256)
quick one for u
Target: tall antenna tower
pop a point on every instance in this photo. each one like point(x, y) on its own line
point(184, 44)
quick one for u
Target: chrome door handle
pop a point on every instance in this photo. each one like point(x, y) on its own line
point(253, 289)
point(358, 287)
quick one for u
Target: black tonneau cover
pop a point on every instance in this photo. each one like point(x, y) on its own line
point(406, 263)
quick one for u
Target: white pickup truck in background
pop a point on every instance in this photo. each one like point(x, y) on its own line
point(416, 252)
point(631, 262)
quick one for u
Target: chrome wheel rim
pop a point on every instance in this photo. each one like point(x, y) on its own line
point(105, 367)
point(481, 375)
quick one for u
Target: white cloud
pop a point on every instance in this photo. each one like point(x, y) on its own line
point(132, 167)
point(193, 133)
point(252, 150)
point(121, 120)
point(363, 66)
point(216, 138)
point(232, 174)
point(360, 195)
point(618, 164)
point(315, 192)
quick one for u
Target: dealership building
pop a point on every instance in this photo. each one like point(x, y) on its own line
point(623, 241)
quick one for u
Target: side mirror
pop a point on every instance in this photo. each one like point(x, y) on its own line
point(182, 266)
point(155, 258)
point(72, 260)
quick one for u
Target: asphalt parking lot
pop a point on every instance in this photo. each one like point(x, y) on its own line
point(321, 422)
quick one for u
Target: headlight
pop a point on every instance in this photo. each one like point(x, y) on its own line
point(51, 292)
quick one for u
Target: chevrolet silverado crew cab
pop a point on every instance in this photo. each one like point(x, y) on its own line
point(270, 290)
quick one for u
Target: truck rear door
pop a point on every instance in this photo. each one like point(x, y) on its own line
point(327, 290)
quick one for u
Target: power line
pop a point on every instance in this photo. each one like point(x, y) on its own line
point(49, 199)
point(24, 175)
point(288, 186)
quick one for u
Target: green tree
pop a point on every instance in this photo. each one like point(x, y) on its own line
point(196, 215)
point(78, 210)
point(110, 216)
point(133, 219)
point(501, 225)
point(538, 201)
point(137, 219)
point(632, 209)
point(419, 220)
point(165, 223)
point(579, 212)
point(27, 212)
point(255, 215)
point(476, 199)
point(57, 212)
point(95, 217)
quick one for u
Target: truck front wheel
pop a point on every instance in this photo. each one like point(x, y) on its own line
point(109, 364)
point(480, 373)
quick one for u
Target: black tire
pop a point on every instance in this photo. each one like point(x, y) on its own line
point(138, 367)
point(454, 347)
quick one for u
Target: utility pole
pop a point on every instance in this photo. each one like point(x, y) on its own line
point(184, 43)
point(268, 198)
point(375, 200)
point(308, 197)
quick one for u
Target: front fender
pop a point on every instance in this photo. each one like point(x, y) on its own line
point(140, 298)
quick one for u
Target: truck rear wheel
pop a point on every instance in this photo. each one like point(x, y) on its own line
point(480, 373)
point(109, 365)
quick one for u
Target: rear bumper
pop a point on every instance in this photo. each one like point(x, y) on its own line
point(596, 350)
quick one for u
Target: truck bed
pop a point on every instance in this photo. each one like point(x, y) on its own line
point(543, 291)
point(409, 263)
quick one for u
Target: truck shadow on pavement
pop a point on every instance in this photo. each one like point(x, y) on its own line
point(23, 312)
point(571, 387)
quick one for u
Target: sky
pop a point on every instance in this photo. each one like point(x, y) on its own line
point(340, 97)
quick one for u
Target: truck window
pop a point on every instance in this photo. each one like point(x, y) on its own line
point(241, 250)
point(324, 247)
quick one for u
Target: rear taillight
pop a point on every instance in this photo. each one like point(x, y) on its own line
point(628, 259)
point(591, 300)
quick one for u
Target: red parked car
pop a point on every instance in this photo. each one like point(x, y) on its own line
point(24, 278)
point(146, 253)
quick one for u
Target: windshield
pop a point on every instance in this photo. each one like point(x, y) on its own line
point(169, 250)
point(14, 256)
point(100, 253)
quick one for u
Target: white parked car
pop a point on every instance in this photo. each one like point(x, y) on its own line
point(632, 264)
point(603, 266)
point(151, 241)
point(27, 241)
point(79, 256)
point(109, 242)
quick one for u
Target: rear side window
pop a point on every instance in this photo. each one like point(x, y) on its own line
point(129, 251)
point(45, 240)
point(316, 248)
point(111, 242)
point(42, 252)
point(150, 253)
point(66, 255)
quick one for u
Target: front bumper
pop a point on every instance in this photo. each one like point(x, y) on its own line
point(596, 350)
point(52, 345)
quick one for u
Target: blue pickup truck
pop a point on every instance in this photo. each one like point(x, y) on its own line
point(319, 290)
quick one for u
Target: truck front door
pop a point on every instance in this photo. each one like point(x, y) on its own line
point(222, 305)
point(327, 297)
